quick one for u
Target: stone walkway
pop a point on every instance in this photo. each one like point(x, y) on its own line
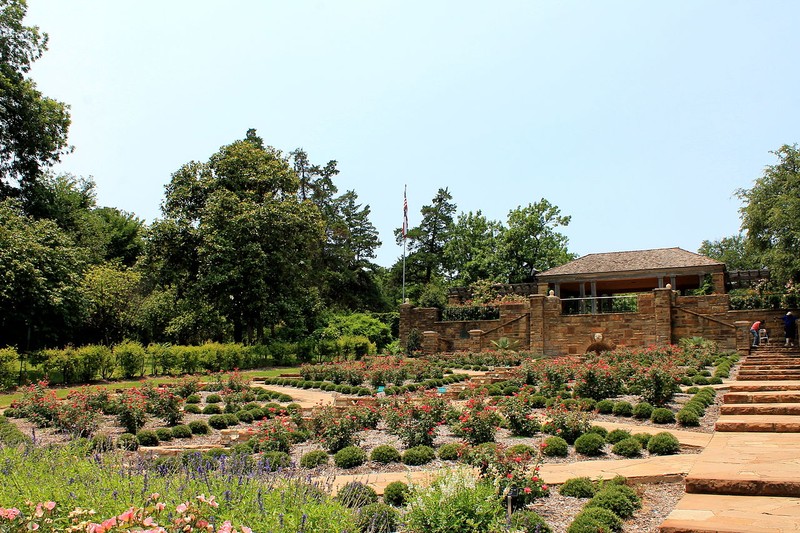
point(748, 477)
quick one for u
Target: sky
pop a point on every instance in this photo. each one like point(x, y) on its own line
point(639, 120)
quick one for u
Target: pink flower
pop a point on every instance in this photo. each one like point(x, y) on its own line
point(182, 508)
point(49, 505)
point(527, 490)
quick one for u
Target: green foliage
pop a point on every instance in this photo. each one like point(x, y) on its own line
point(147, 437)
point(130, 357)
point(555, 447)
point(356, 494)
point(449, 451)
point(377, 518)
point(418, 455)
point(688, 417)
point(8, 357)
point(128, 441)
point(663, 444)
point(396, 493)
point(528, 521)
point(314, 459)
point(212, 409)
point(385, 454)
point(616, 435)
point(182, 432)
point(199, 427)
point(595, 520)
point(355, 325)
point(600, 430)
point(662, 415)
point(630, 447)
point(350, 457)
point(642, 410)
point(578, 487)
point(455, 501)
point(163, 434)
point(605, 406)
point(590, 444)
point(622, 408)
point(619, 502)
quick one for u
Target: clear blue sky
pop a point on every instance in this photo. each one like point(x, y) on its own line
point(638, 119)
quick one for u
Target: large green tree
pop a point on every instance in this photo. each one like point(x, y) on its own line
point(235, 237)
point(427, 241)
point(33, 127)
point(771, 216)
point(471, 253)
point(733, 251)
point(532, 243)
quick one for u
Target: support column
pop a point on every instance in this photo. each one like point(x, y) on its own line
point(430, 342)
point(537, 326)
point(594, 297)
point(718, 282)
point(475, 340)
point(662, 303)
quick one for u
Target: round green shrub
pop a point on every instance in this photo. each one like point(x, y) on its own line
point(716, 380)
point(604, 407)
point(529, 522)
point(622, 408)
point(191, 408)
point(590, 444)
point(350, 457)
point(128, 441)
point(213, 398)
point(692, 390)
point(627, 491)
point(231, 419)
point(642, 410)
point(520, 449)
point(164, 434)
point(245, 417)
point(396, 493)
point(298, 436)
point(662, 415)
point(385, 454)
point(277, 459)
point(218, 422)
point(578, 487)
point(705, 372)
point(686, 380)
point(630, 447)
point(377, 518)
point(616, 435)
point(614, 501)
point(181, 432)
point(663, 444)
point(595, 520)
point(356, 494)
point(199, 427)
point(449, 451)
point(694, 406)
point(537, 401)
point(212, 409)
point(314, 459)
point(587, 404)
point(643, 438)
point(193, 398)
point(418, 455)
point(102, 442)
point(688, 417)
point(147, 437)
point(599, 430)
point(700, 380)
point(555, 447)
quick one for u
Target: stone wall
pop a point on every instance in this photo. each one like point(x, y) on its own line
point(539, 326)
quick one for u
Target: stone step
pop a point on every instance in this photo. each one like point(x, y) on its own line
point(768, 375)
point(771, 385)
point(773, 366)
point(761, 409)
point(781, 396)
point(759, 424)
point(756, 464)
point(697, 513)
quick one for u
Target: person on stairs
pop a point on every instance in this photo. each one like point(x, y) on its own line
point(757, 325)
point(789, 328)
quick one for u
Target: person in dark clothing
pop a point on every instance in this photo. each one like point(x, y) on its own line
point(789, 328)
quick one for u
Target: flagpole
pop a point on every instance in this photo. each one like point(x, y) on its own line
point(405, 230)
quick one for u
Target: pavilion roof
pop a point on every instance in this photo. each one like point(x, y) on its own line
point(632, 261)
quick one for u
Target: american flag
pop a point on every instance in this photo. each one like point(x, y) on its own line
point(405, 213)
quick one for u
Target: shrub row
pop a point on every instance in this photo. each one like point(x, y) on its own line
point(691, 413)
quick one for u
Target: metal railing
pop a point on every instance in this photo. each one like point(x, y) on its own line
point(600, 305)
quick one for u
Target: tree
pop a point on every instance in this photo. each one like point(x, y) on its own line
point(111, 296)
point(40, 275)
point(33, 127)
point(732, 251)
point(426, 242)
point(771, 216)
point(531, 244)
point(236, 239)
point(471, 253)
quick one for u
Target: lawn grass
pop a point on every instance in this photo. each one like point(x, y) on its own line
point(62, 391)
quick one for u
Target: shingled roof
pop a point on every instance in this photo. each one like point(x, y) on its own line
point(659, 259)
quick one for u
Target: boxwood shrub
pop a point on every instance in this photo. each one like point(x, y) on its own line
point(555, 447)
point(662, 415)
point(199, 427)
point(396, 493)
point(616, 435)
point(630, 447)
point(314, 459)
point(418, 455)
point(147, 437)
point(590, 444)
point(385, 454)
point(578, 487)
point(622, 408)
point(356, 494)
point(181, 432)
point(605, 407)
point(663, 444)
point(350, 457)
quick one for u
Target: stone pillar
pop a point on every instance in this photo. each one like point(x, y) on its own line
point(718, 282)
point(405, 324)
point(537, 333)
point(430, 342)
point(662, 315)
point(475, 340)
point(743, 338)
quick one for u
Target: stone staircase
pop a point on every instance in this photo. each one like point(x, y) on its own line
point(748, 477)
